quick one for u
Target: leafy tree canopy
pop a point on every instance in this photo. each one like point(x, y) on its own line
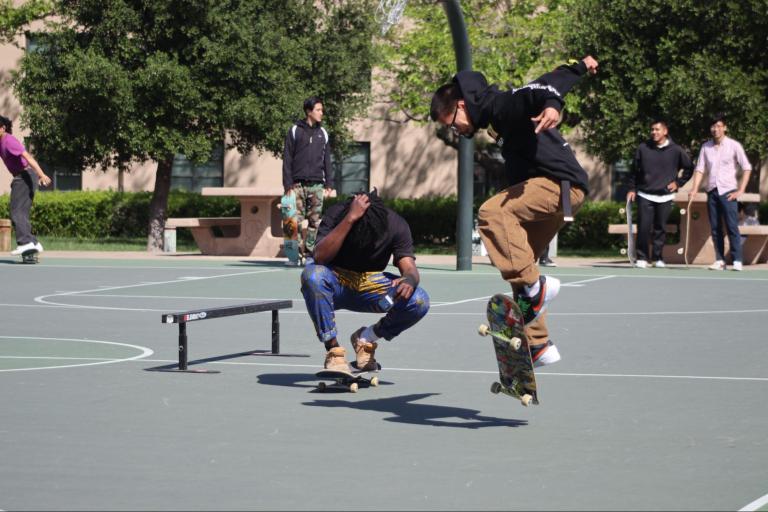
point(13, 18)
point(681, 60)
point(118, 81)
point(512, 42)
point(134, 80)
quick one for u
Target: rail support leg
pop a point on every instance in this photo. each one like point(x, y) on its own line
point(275, 332)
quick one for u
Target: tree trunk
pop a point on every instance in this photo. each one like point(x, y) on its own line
point(159, 205)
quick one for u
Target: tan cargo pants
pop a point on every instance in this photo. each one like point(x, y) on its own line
point(516, 225)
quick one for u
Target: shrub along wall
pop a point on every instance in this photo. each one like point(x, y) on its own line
point(102, 214)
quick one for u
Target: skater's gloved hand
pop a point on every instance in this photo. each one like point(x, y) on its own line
point(357, 209)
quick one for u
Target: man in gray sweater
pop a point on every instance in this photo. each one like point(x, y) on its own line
point(654, 179)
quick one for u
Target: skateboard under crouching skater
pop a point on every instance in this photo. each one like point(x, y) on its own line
point(348, 381)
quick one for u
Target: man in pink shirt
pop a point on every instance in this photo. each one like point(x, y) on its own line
point(722, 157)
point(20, 164)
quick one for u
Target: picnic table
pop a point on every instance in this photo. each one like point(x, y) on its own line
point(701, 249)
point(257, 232)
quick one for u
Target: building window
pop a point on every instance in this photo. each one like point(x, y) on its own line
point(187, 175)
point(33, 42)
point(62, 178)
point(352, 174)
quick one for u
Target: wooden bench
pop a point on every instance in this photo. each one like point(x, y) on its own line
point(203, 230)
point(622, 229)
point(755, 248)
point(183, 317)
point(5, 235)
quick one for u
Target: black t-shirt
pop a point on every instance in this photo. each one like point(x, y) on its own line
point(398, 243)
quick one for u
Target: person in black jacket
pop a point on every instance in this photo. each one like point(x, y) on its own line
point(307, 172)
point(653, 181)
point(517, 224)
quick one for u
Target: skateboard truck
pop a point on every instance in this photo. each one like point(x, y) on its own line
point(30, 256)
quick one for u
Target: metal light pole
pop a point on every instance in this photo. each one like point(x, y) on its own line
point(464, 223)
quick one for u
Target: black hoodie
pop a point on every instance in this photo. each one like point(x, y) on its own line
point(307, 156)
point(526, 154)
point(656, 167)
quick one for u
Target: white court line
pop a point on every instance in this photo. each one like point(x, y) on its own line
point(492, 372)
point(42, 298)
point(123, 267)
point(60, 358)
point(145, 352)
point(579, 283)
point(303, 311)
point(755, 505)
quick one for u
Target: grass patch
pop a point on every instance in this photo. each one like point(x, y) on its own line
point(51, 243)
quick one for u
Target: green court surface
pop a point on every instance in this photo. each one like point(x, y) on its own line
point(659, 401)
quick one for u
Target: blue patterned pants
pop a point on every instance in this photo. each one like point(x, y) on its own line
point(327, 289)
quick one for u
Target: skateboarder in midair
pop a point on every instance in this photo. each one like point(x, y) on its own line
point(355, 242)
point(517, 224)
point(27, 174)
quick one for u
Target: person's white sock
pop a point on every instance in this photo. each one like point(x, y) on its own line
point(368, 334)
point(532, 290)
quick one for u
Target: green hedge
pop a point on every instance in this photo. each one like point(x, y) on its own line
point(107, 214)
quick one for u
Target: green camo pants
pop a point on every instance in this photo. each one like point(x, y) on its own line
point(309, 207)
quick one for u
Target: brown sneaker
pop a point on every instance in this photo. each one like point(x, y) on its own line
point(364, 351)
point(336, 359)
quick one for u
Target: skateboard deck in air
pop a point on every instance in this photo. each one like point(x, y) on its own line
point(506, 328)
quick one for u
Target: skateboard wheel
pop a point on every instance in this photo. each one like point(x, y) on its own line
point(353, 387)
point(526, 399)
point(622, 211)
point(623, 252)
point(680, 251)
point(483, 329)
point(374, 381)
point(517, 343)
point(495, 388)
point(682, 211)
point(321, 387)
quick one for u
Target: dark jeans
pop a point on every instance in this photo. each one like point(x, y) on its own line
point(23, 189)
point(721, 210)
point(651, 216)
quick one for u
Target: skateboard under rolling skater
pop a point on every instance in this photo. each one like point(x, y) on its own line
point(30, 257)
point(506, 328)
point(630, 250)
point(349, 381)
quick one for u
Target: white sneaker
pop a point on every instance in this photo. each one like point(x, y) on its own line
point(641, 264)
point(548, 354)
point(737, 266)
point(23, 248)
point(39, 247)
point(532, 307)
point(718, 265)
point(659, 264)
